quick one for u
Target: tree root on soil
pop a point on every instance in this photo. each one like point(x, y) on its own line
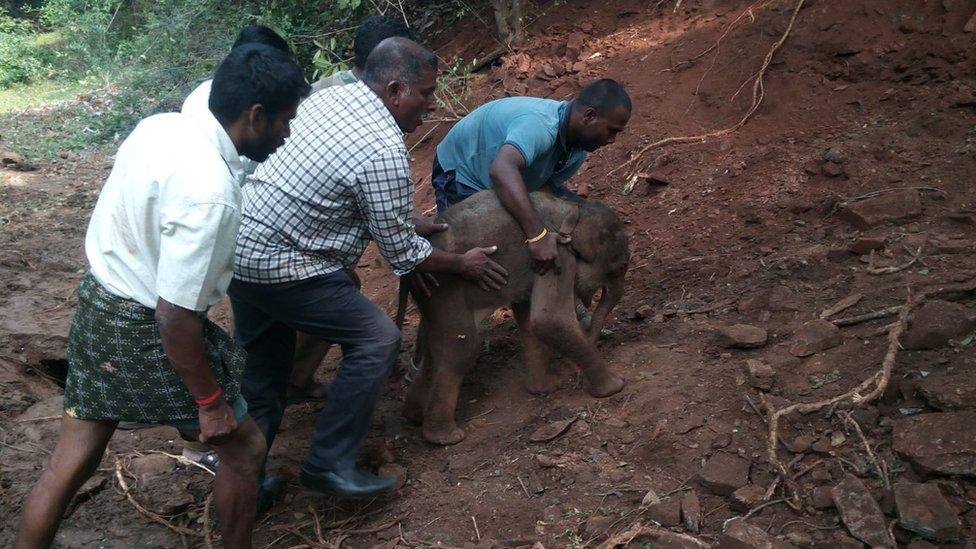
point(758, 93)
point(855, 396)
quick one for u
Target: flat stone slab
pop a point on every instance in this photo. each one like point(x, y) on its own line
point(922, 509)
point(724, 473)
point(740, 336)
point(860, 512)
point(894, 206)
point(938, 443)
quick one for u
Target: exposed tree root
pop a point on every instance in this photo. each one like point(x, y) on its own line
point(758, 93)
point(874, 385)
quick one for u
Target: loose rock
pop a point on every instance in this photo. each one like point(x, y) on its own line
point(936, 322)
point(922, 509)
point(815, 336)
point(741, 336)
point(860, 512)
point(821, 497)
point(946, 393)
point(151, 465)
point(597, 525)
point(724, 473)
point(747, 497)
point(574, 46)
point(866, 244)
point(666, 513)
point(894, 206)
point(739, 534)
point(760, 374)
point(783, 299)
point(938, 443)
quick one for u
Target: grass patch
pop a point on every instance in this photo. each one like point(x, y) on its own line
point(101, 119)
point(36, 94)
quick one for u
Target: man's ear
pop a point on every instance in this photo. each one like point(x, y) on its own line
point(589, 115)
point(257, 118)
point(393, 91)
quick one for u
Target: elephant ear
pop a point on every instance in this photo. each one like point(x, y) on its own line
point(588, 238)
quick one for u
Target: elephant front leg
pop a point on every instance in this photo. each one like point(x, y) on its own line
point(538, 381)
point(553, 319)
point(453, 350)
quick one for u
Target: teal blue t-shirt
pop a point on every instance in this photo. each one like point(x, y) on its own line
point(536, 127)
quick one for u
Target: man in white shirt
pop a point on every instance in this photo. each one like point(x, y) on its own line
point(161, 247)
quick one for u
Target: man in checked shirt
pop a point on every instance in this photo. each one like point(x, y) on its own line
point(309, 211)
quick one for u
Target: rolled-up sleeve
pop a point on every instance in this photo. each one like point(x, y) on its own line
point(196, 254)
point(385, 195)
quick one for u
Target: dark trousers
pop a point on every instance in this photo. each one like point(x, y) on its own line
point(266, 317)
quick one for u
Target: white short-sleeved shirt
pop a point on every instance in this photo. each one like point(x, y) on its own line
point(166, 220)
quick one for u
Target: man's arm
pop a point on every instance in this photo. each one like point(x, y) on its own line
point(386, 195)
point(181, 332)
point(506, 179)
point(195, 260)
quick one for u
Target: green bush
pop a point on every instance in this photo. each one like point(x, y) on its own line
point(23, 56)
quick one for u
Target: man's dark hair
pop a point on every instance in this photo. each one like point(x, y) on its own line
point(375, 29)
point(259, 34)
point(252, 74)
point(397, 59)
point(604, 95)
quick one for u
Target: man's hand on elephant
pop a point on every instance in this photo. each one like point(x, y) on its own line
point(425, 226)
point(476, 266)
point(543, 254)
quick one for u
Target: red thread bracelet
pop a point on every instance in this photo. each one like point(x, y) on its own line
point(208, 400)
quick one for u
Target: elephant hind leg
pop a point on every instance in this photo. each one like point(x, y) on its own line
point(538, 381)
point(416, 401)
point(453, 349)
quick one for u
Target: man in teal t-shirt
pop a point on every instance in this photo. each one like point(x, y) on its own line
point(518, 145)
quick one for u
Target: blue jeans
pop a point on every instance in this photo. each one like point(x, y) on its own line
point(330, 307)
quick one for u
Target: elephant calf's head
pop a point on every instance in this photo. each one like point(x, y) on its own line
point(603, 253)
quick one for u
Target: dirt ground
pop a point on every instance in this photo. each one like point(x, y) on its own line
point(767, 226)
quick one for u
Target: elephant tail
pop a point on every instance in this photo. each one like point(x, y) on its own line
point(402, 294)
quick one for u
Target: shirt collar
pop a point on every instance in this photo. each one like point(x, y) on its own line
point(563, 129)
point(374, 100)
point(215, 133)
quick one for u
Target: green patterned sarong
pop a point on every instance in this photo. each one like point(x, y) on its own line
point(117, 369)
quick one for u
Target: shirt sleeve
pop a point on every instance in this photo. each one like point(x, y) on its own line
point(530, 136)
point(385, 196)
point(196, 253)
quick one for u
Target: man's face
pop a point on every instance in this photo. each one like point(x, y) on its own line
point(410, 105)
point(599, 130)
point(267, 134)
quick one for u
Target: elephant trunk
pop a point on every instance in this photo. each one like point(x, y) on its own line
point(613, 291)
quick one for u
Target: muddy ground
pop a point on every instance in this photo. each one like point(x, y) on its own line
point(854, 177)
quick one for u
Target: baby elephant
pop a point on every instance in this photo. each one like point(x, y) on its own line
point(596, 256)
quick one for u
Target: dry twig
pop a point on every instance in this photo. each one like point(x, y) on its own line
point(882, 313)
point(139, 507)
point(882, 471)
point(639, 529)
point(916, 256)
point(758, 93)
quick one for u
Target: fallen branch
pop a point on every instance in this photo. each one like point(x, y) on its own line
point(881, 313)
point(758, 93)
point(639, 529)
point(841, 305)
point(146, 512)
point(916, 257)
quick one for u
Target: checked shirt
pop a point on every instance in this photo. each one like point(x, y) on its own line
point(341, 180)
